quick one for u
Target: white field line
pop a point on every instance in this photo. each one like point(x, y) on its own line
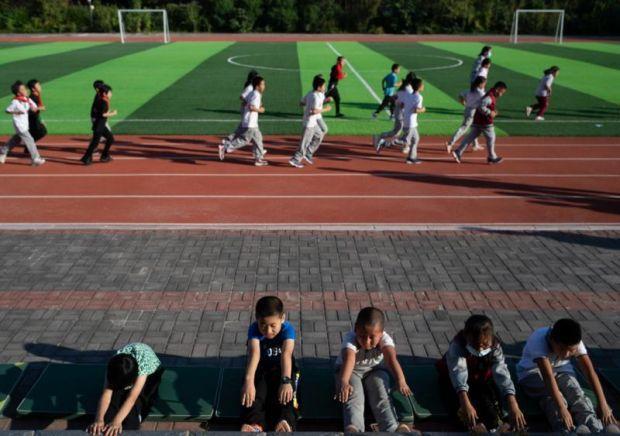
point(297, 174)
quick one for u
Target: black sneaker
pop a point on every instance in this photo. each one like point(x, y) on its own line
point(494, 161)
point(86, 161)
point(413, 161)
point(105, 159)
point(339, 115)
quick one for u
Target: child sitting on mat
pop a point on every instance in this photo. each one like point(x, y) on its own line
point(367, 358)
point(268, 396)
point(475, 380)
point(132, 378)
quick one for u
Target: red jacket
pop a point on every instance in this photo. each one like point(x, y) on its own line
point(483, 116)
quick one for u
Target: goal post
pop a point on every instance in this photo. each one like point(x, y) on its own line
point(122, 27)
point(559, 27)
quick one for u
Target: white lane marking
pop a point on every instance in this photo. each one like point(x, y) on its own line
point(308, 197)
point(331, 174)
point(337, 120)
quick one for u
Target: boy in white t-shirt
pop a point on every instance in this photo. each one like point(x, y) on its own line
point(367, 358)
point(313, 132)
point(545, 372)
point(19, 107)
point(249, 131)
point(412, 106)
point(386, 139)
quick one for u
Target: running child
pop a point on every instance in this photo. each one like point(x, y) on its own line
point(313, 132)
point(386, 139)
point(249, 132)
point(485, 66)
point(336, 74)
point(545, 372)
point(247, 88)
point(411, 107)
point(475, 380)
point(470, 99)
point(132, 379)
point(485, 53)
point(268, 396)
point(35, 124)
point(543, 94)
point(100, 113)
point(389, 85)
point(363, 368)
point(484, 124)
point(19, 107)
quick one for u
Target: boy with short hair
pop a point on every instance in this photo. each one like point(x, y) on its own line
point(99, 114)
point(475, 379)
point(389, 85)
point(313, 132)
point(35, 125)
point(268, 396)
point(19, 107)
point(411, 107)
point(545, 372)
point(249, 131)
point(367, 359)
point(484, 124)
point(132, 379)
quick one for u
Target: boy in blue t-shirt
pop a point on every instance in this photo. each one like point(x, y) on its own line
point(389, 84)
point(268, 395)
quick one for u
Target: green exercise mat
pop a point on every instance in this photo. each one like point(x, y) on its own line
point(9, 377)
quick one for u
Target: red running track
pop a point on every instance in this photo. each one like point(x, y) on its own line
point(178, 180)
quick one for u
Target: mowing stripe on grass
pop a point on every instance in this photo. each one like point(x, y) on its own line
point(134, 79)
point(28, 51)
point(613, 48)
point(211, 90)
point(566, 103)
point(430, 67)
point(580, 76)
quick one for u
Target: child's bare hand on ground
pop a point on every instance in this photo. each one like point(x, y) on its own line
point(606, 414)
point(518, 419)
point(96, 427)
point(248, 394)
point(344, 392)
point(404, 388)
point(471, 416)
point(113, 429)
point(286, 393)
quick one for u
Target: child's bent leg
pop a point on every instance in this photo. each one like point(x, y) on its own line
point(28, 141)
point(542, 105)
point(353, 409)
point(240, 140)
point(306, 137)
point(489, 134)
point(315, 141)
point(109, 140)
point(469, 138)
point(484, 398)
point(534, 386)
point(579, 405)
point(377, 384)
point(257, 138)
point(14, 141)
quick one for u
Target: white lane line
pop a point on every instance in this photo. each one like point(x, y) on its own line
point(297, 174)
point(337, 120)
point(308, 197)
point(342, 158)
point(358, 75)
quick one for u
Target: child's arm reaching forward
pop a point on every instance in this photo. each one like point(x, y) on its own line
point(552, 387)
point(604, 411)
point(344, 388)
point(104, 402)
point(248, 392)
point(115, 427)
point(286, 363)
point(391, 360)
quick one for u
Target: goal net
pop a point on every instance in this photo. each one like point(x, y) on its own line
point(143, 23)
point(537, 23)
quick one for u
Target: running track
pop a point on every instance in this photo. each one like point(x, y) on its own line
point(178, 181)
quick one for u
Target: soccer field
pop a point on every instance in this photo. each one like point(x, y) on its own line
point(193, 87)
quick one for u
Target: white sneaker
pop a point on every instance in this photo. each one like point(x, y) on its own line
point(38, 162)
point(261, 163)
point(528, 111)
point(2, 158)
point(221, 151)
point(295, 164)
point(540, 119)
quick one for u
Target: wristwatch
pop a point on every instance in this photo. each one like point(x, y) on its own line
point(286, 381)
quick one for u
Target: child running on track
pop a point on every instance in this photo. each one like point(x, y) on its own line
point(411, 107)
point(336, 74)
point(389, 85)
point(36, 126)
point(100, 112)
point(483, 124)
point(470, 99)
point(19, 107)
point(313, 133)
point(386, 139)
point(543, 93)
point(485, 53)
point(249, 132)
point(247, 88)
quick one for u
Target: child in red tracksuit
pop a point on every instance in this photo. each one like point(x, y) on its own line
point(543, 93)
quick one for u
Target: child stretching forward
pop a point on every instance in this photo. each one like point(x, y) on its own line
point(472, 374)
point(367, 358)
point(268, 395)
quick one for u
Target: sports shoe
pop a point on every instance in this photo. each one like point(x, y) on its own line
point(413, 161)
point(340, 115)
point(497, 160)
point(38, 162)
point(539, 119)
point(477, 147)
point(2, 158)
point(221, 151)
point(261, 163)
point(528, 111)
point(308, 160)
point(448, 147)
point(295, 164)
point(456, 156)
point(105, 159)
point(398, 142)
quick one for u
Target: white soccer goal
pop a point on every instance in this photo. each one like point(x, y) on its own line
point(121, 21)
point(559, 26)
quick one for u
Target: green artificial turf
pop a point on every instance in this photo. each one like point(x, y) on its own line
point(192, 88)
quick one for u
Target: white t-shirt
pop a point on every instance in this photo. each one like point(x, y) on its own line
point(472, 98)
point(246, 91)
point(312, 100)
point(545, 83)
point(538, 346)
point(483, 72)
point(365, 358)
point(20, 122)
point(410, 116)
point(401, 94)
point(250, 118)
